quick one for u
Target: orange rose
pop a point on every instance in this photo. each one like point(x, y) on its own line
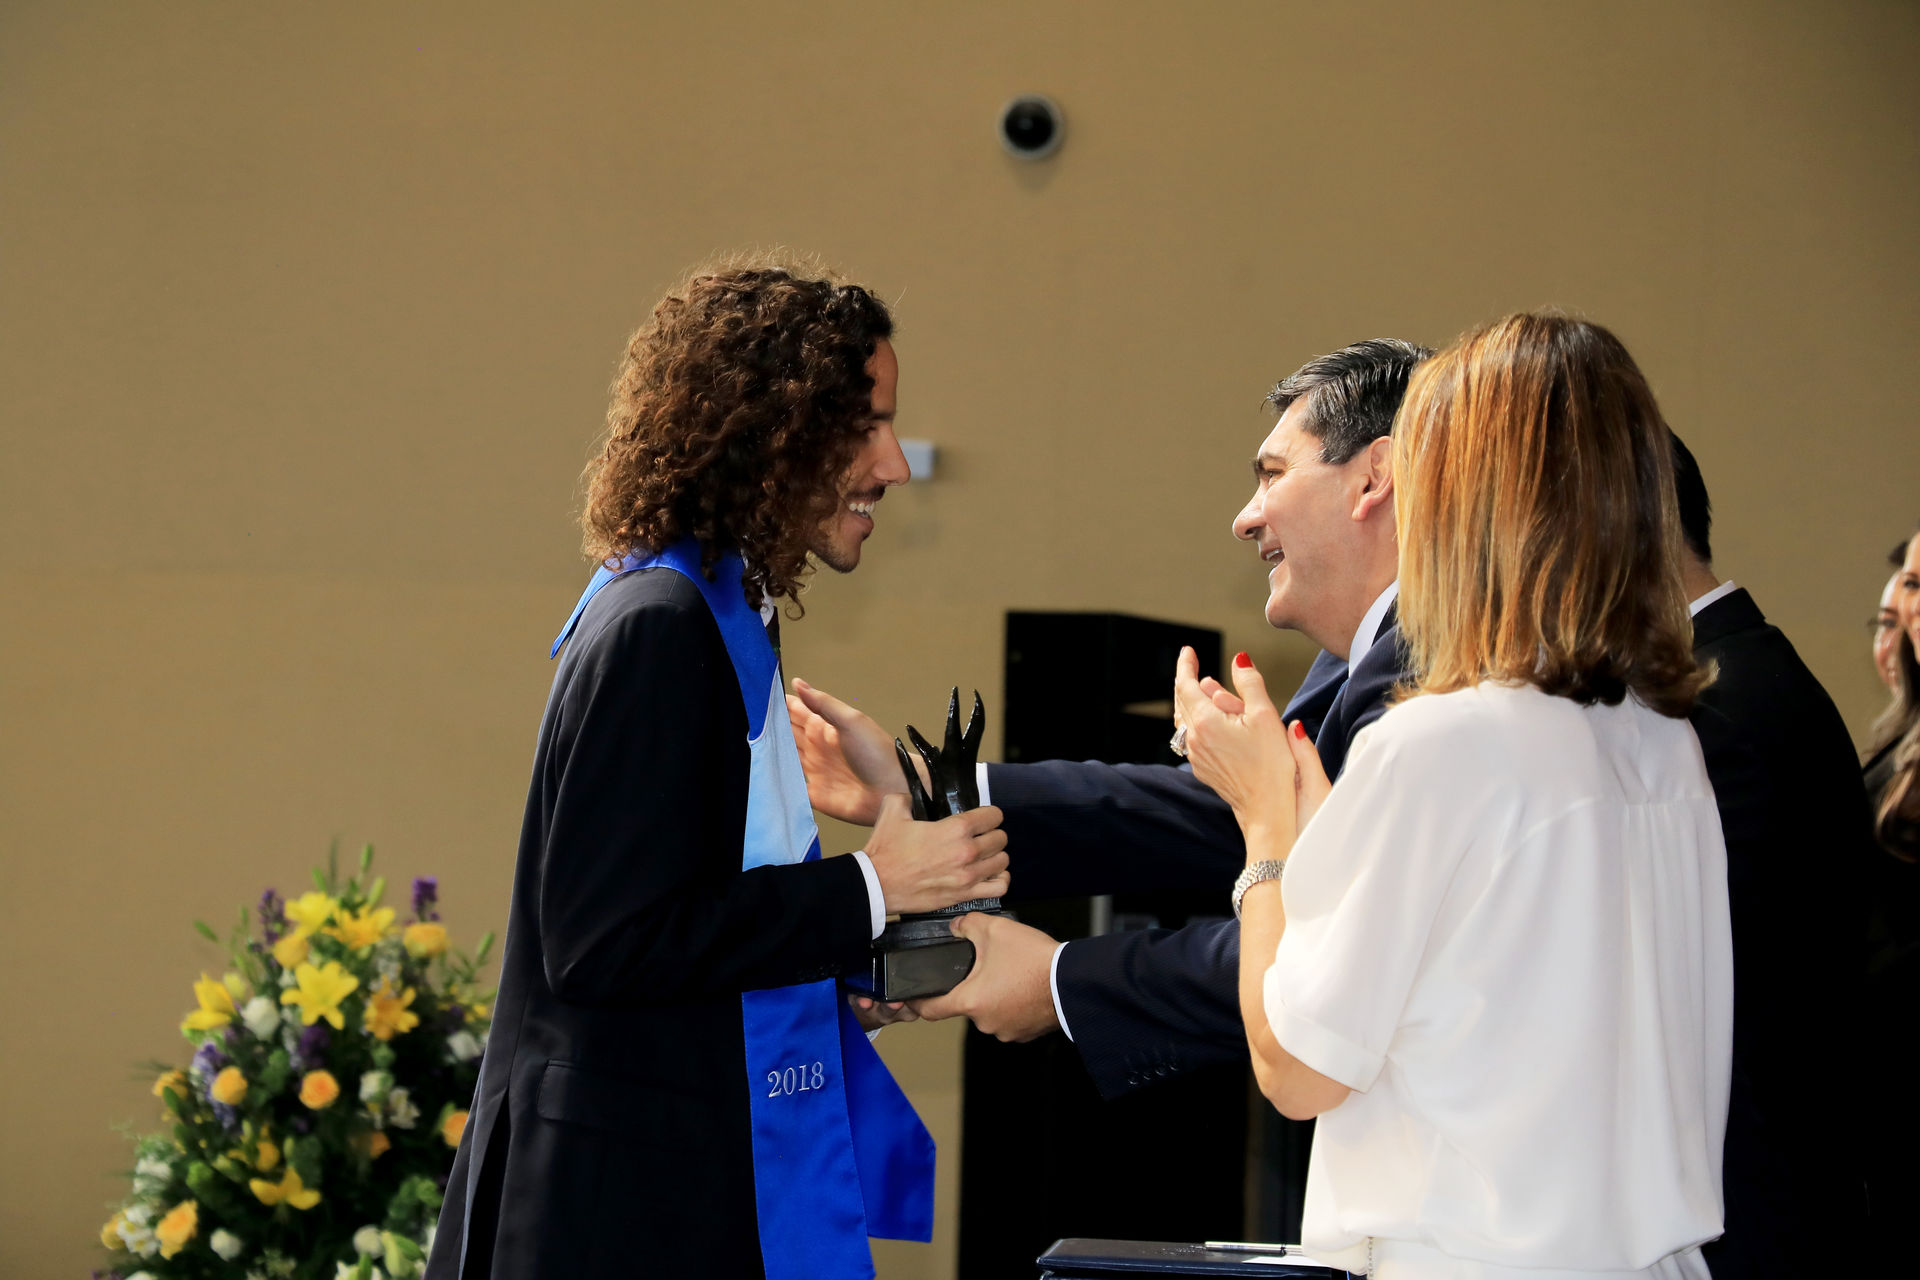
point(453, 1127)
point(318, 1089)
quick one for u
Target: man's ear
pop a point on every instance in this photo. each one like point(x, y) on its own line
point(1376, 480)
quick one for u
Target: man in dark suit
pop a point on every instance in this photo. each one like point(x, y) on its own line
point(1798, 835)
point(1142, 1006)
point(672, 1085)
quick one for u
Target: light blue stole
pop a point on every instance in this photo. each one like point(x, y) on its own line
point(838, 1153)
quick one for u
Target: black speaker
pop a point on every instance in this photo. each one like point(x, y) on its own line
point(1042, 1156)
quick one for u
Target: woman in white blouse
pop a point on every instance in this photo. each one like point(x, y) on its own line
point(1498, 966)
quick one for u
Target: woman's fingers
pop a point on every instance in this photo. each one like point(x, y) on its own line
point(1222, 697)
point(1250, 684)
point(1313, 784)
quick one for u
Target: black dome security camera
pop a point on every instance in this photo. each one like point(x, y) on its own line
point(1031, 127)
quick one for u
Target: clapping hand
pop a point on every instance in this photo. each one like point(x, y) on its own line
point(1268, 772)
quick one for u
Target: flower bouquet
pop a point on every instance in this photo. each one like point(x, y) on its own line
point(310, 1136)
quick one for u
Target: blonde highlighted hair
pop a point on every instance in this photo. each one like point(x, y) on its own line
point(1539, 533)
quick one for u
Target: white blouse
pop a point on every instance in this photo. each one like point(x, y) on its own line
point(1507, 932)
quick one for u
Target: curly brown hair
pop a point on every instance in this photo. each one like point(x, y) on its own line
point(736, 410)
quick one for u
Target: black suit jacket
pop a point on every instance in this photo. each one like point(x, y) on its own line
point(609, 1134)
point(1798, 836)
point(1148, 1004)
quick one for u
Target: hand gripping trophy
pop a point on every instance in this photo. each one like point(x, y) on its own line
point(918, 954)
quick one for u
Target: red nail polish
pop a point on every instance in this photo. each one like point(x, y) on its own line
point(1242, 660)
point(1299, 731)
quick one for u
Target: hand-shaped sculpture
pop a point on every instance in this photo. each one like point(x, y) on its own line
point(953, 770)
point(918, 954)
point(953, 777)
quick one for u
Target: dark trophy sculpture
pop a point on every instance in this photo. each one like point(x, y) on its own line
point(918, 954)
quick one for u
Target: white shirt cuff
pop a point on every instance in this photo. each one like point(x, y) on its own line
point(876, 904)
point(1053, 973)
point(980, 774)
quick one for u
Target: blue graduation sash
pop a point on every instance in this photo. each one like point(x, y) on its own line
point(838, 1153)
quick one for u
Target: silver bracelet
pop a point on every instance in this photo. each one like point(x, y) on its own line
point(1253, 875)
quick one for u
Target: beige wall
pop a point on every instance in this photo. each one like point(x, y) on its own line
point(307, 313)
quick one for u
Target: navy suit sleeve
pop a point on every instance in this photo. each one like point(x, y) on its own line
point(1146, 1005)
point(641, 896)
point(1086, 827)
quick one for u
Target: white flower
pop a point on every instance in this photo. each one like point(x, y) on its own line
point(366, 1240)
point(141, 1275)
point(226, 1244)
point(462, 1047)
point(374, 1086)
point(139, 1240)
point(351, 1271)
point(286, 978)
point(400, 1109)
point(262, 1016)
point(139, 1215)
point(427, 1243)
point(151, 1176)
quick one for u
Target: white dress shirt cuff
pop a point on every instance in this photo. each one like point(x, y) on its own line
point(876, 904)
point(980, 773)
point(1053, 979)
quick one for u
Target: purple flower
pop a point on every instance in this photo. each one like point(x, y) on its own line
point(228, 1117)
point(273, 916)
point(311, 1052)
point(207, 1061)
point(426, 892)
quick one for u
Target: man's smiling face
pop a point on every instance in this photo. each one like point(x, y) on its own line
point(1300, 519)
point(877, 466)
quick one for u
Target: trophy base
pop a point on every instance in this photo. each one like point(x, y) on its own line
point(914, 957)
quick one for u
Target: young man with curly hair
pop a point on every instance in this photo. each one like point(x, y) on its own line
point(674, 1085)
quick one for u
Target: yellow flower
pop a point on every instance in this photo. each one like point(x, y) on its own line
point(230, 1087)
point(452, 1127)
point(269, 1155)
point(475, 1012)
point(216, 1006)
point(289, 1190)
point(177, 1228)
point(309, 912)
point(172, 1080)
point(363, 928)
point(110, 1234)
point(291, 950)
point(425, 939)
point(378, 1145)
point(387, 1014)
point(319, 992)
point(318, 1089)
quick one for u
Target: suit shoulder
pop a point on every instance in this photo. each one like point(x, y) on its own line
point(650, 604)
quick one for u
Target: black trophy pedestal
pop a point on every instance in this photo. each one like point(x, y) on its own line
point(913, 957)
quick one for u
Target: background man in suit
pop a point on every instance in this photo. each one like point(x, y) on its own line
point(671, 916)
point(1798, 835)
point(1144, 1005)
